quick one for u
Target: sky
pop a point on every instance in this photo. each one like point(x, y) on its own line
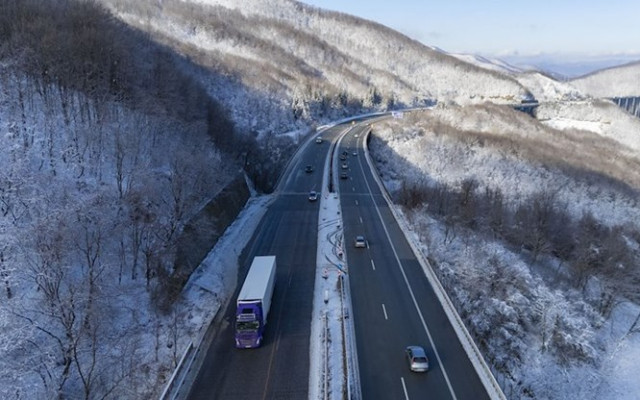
point(561, 30)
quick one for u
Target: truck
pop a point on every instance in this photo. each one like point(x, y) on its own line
point(254, 301)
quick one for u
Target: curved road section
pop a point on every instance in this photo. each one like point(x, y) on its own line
point(279, 369)
point(394, 305)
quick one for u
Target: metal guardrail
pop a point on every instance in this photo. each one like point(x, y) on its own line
point(175, 383)
point(477, 360)
point(168, 392)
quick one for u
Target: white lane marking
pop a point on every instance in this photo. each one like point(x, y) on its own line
point(373, 265)
point(404, 387)
point(413, 297)
point(384, 310)
point(354, 189)
point(361, 220)
point(356, 202)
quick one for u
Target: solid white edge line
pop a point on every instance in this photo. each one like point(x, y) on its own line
point(477, 360)
point(413, 297)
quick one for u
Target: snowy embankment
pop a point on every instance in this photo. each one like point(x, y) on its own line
point(211, 285)
point(214, 281)
point(546, 332)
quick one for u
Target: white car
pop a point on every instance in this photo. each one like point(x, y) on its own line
point(360, 241)
point(318, 139)
point(313, 195)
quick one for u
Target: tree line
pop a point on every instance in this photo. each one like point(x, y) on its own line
point(540, 226)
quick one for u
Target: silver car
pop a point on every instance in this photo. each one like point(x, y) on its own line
point(360, 241)
point(417, 357)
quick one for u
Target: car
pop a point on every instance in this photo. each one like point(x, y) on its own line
point(344, 165)
point(343, 157)
point(313, 195)
point(318, 139)
point(343, 175)
point(355, 153)
point(360, 241)
point(417, 357)
point(356, 135)
point(308, 169)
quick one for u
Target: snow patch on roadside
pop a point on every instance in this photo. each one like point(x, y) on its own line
point(215, 279)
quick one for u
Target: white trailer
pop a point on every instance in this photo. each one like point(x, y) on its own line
point(254, 302)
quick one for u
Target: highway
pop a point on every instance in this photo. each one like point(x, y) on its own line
point(393, 303)
point(279, 369)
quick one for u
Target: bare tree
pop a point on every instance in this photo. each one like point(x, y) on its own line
point(5, 274)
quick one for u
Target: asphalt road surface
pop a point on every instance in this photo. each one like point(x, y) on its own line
point(279, 369)
point(393, 303)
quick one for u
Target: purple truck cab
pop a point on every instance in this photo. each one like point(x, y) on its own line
point(254, 302)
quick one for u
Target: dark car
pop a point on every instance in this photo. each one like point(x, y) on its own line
point(308, 169)
point(344, 175)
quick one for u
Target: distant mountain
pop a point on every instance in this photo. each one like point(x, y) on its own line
point(542, 86)
point(568, 66)
point(623, 81)
point(313, 56)
point(492, 64)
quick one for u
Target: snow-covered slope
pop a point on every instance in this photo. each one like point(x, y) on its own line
point(621, 81)
point(546, 89)
point(492, 64)
point(542, 86)
point(597, 116)
point(314, 55)
point(514, 214)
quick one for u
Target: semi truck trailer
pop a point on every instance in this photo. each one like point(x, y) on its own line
point(254, 301)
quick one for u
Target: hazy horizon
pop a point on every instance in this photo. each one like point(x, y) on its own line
point(573, 39)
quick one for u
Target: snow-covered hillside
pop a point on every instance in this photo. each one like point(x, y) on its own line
point(492, 64)
point(534, 233)
point(106, 151)
point(598, 116)
point(541, 86)
point(623, 81)
point(546, 89)
point(110, 142)
point(314, 56)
